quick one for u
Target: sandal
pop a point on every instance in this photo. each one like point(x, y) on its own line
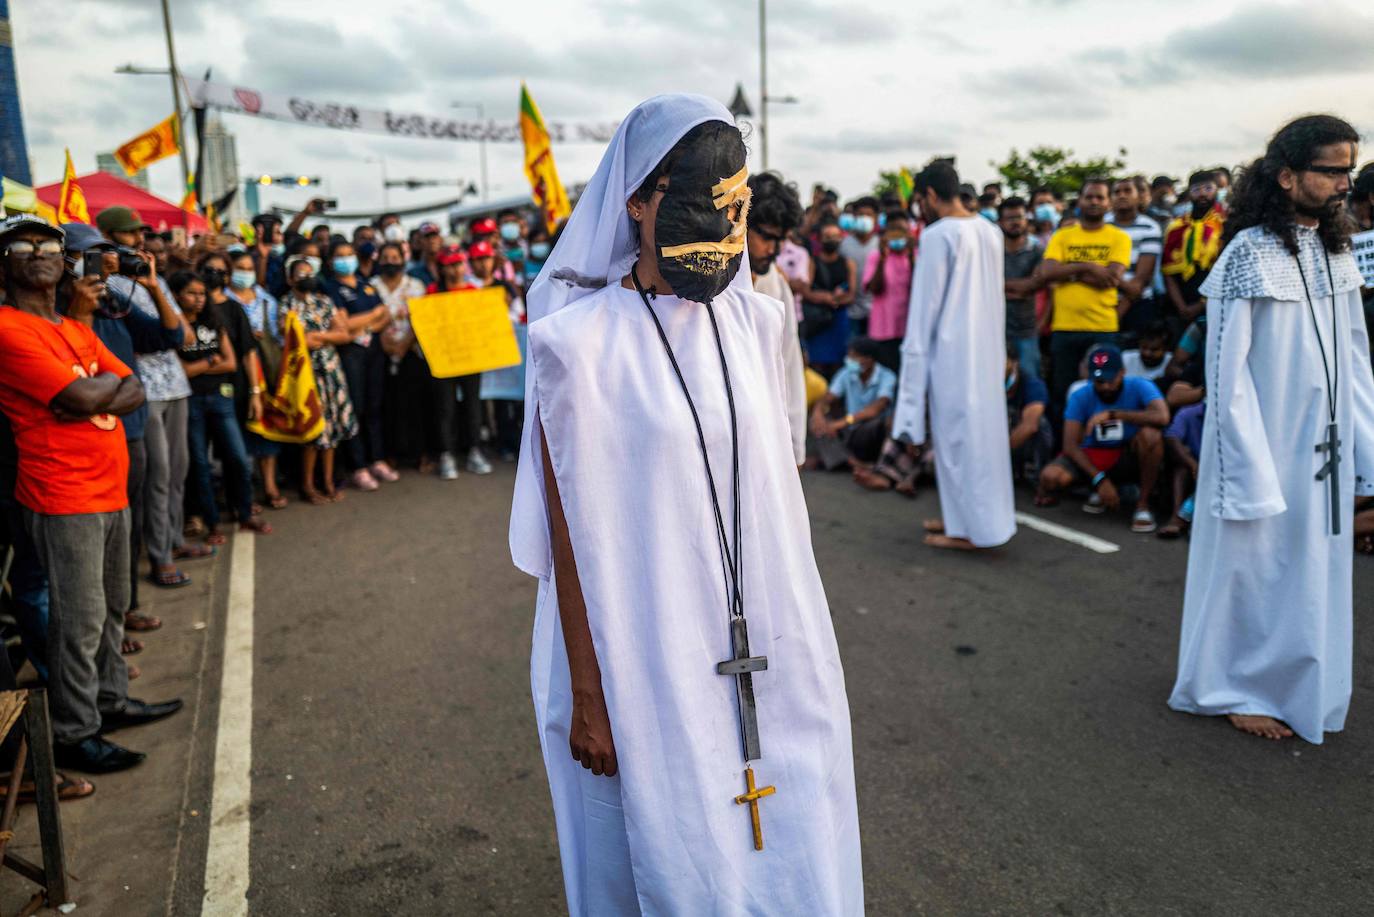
point(314, 497)
point(276, 501)
point(216, 538)
point(169, 579)
point(130, 647)
point(68, 788)
point(1045, 500)
point(138, 623)
point(1143, 522)
point(1175, 528)
point(193, 552)
point(256, 525)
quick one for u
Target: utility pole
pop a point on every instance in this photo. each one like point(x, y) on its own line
point(763, 80)
point(176, 99)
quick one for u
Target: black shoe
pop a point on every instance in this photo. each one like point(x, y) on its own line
point(95, 756)
point(137, 713)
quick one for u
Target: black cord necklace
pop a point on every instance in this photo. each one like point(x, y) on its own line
point(1331, 371)
point(731, 561)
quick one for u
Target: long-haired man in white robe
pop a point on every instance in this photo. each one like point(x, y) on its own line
point(613, 513)
point(1266, 637)
point(954, 352)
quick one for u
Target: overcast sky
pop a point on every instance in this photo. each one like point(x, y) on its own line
point(1178, 83)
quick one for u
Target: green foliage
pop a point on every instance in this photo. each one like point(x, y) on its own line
point(1055, 167)
point(889, 181)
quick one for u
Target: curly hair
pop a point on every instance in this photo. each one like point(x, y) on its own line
point(774, 203)
point(1258, 199)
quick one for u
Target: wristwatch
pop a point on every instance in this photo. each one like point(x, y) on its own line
point(849, 420)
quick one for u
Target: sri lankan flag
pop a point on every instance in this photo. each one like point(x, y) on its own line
point(157, 142)
point(71, 200)
point(539, 168)
point(291, 409)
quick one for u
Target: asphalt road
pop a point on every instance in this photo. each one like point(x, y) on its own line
point(1013, 750)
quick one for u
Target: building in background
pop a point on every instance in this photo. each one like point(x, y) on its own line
point(221, 165)
point(14, 151)
point(106, 162)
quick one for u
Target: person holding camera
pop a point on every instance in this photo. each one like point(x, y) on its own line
point(126, 332)
point(64, 392)
point(168, 393)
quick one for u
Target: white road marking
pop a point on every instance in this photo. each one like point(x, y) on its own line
point(226, 858)
point(1067, 534)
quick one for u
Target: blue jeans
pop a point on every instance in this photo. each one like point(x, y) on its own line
point(1027, 354)
point(213, 416)
point(29, 583)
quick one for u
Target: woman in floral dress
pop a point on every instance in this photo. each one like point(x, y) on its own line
point(325, 325)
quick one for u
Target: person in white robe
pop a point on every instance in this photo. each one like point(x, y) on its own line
point(613, 514)
point(1266, 635)
point(954, 357)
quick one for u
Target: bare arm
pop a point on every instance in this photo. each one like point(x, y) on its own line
point(127, 397)
point(1029, 423)
point(103, 394)
point(590, 739)
point(846, 296)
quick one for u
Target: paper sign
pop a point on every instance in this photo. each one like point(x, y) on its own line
point(465, 332)
point(508, 384)
point(1363, 246)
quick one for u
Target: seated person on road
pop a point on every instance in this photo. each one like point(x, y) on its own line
point(1111, 437)
point(865, 390)
point(1150, 358)
point(1183, 380)
point(1032, 439)
point(1183, 445)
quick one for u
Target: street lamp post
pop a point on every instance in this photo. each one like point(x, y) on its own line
point(176, 98)
point(482, 116)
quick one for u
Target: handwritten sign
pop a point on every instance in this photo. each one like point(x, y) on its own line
point(1363, 246)
point(465, 332)
point(508, 384)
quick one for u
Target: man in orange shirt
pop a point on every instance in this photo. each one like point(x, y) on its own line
point(63, 393)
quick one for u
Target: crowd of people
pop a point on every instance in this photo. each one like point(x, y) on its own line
point(132, 392)
point(1106, 330)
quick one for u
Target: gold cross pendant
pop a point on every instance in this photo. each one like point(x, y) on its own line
point(751, 799)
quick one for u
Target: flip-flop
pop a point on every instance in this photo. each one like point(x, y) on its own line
point(68, 788)
point(1143, 522)
point(172, 579)
point(277, 502)
point(130, 647)
point(140, 623)
point(256, 525)
point(193, 552)
point(216, 538)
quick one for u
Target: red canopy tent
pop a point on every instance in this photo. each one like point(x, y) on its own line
point(105, 190)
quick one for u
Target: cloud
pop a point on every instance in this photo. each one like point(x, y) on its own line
point(314, 58)
point(1270, 40)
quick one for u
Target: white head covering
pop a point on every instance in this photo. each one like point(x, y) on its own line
point(597, 247)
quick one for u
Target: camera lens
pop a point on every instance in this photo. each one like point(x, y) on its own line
point(131, 265)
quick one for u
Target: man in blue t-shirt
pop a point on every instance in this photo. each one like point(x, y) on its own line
point(865, 390)
point(1111, 437)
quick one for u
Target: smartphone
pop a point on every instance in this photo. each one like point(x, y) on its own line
point(179, 236)
point(92, 264)
point(329, 203)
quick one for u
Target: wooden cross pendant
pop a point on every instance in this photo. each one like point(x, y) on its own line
point(751, 799)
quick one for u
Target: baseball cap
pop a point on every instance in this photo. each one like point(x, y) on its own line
point(81, 237)
point(27, 222)
point(1104, 362)
point(452, 254)
point(1162, 181)
point(120, 219)
point(481, 249)
point(484, 227)
point(430, 229)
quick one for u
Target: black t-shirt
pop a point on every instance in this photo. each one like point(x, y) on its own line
point(207, 329)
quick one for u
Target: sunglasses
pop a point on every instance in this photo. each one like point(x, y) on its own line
point(26, 249)
point(1334, 171)
point(775, 238)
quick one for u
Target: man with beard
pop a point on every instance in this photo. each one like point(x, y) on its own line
point(1191, 246)
point(1086, 262)
point(1287, 447)
point(64, 392)
point(953, 352)
point(658, 502)
point(775, 211)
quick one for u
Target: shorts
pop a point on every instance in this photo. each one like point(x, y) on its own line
point(1125, 471)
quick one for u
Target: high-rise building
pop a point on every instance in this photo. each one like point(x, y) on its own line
point(106, 162)
point(221, 165)
point(14, 151)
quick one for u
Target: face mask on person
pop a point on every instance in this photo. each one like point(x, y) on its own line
point(539, 251)
point(214, 278)
point(1183, 209)
point(701, 223)
point(1223, 194)
point(847, 222)
point(853, 365)
point(307, 284)
point(1168, 201)
point(896, 245)
point(314, 263)
point(345, 265)
point(863, 225)
point(882, 221)
point(366, 249)
point(510, 232)
point(394, 233)
point(242, 280)
point(830, 246)
point(390, 268)
point(989, 214)
point(1045, 213)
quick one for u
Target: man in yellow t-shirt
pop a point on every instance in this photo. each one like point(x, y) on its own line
point(1086, 263)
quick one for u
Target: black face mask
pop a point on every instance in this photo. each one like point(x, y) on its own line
point(700, 246)
point(390, 269)
point(830, 246)
point(308, 284)
point(214, 278)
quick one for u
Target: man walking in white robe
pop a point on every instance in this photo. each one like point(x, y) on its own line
point(614, 514)
point(954, 351)
point(1266, 636)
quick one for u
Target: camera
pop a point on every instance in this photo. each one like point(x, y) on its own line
point(131, 264)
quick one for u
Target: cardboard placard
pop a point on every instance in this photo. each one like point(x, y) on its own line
point(1362, 244)
point(465, 331)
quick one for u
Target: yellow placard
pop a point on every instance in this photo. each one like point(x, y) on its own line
point(465, 332)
